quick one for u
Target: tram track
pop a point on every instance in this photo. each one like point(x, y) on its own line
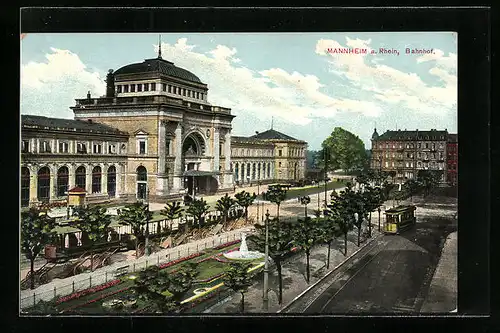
point(341, 274)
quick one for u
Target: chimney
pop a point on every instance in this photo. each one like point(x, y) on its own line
point(88, 95)
point(256, 132)
point(110, 84)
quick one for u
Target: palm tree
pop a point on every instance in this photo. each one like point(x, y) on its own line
point(224, 204)
point(180, 282)
point(37, 230)
point(277, 195)
point(306, 235)
point(305, 200)
point(197, 209)
point(95, 222)
point(245, 199)
point(173, 210)
point(239, 279)
point(280, 245)
point(136, 215)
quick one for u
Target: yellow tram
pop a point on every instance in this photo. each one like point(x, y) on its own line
point(398, 219)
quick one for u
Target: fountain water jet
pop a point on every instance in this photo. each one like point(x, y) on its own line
point(243, 253)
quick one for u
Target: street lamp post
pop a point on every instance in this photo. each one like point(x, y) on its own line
point(146, 242)
point(265, 298)
point(326, 170)
point(258, 193)
point(378, 209)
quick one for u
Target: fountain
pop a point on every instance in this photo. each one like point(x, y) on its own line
point(243, 253)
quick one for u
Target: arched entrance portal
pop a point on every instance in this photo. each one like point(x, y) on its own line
point(197, 180)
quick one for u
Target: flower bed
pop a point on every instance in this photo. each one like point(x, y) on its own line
point(84, 292)
point(96, 299)
point(176, 261)
point(221, 246)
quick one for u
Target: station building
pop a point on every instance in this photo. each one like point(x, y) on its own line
point(154, 134)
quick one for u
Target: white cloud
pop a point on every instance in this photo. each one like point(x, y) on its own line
point(294, 97)
point(391, 85)
point(46, 86)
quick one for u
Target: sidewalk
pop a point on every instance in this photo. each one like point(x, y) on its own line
point(293, 273)
point(442, 296)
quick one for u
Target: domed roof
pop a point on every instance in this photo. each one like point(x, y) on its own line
point(158, 65)
point(375, 135)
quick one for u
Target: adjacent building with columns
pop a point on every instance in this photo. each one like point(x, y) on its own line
point(154, 132)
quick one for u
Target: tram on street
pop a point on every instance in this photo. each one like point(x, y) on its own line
point(398, 219)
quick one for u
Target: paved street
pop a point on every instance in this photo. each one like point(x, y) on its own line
point(394, 274)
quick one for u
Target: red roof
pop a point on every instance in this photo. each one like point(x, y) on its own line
point(77, 189)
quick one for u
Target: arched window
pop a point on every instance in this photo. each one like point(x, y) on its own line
point(43, 190)
point(62, 181)
point(25, 187)
point(142, 178)
point(112, 181)
point(96, 179)
point(80, 177)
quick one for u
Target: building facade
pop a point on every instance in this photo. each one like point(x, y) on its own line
point(153, 135)
point(452, 158)
point(407, 152)
point(59, 154)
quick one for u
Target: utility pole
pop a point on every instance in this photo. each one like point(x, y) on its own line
point(146, 242)
point(265, 298)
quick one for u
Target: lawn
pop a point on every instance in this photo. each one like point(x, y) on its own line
point(206, 268)
point(210, 268)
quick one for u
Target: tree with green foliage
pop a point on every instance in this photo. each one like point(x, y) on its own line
point(372, 199)
point(94, 221)
point(239, 279)
point(223, 205)
point(429, 179)
point(345, 151)
point(172, 210)
point(276, 194)
point(306, 234)
point(344, 206)
point(412, 187)
point(37, 230)
point(361, 209)
point(305, 200)
point(181, 281)
point(245, 200)
point(329, 229)
point(280, 244)
point(152, 286)
point(197, 209)
point(136, 215)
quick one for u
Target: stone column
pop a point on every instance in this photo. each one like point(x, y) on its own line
point(33, 184)
point(53, 183)
point(178, 159)
point(216, 149)
point(88, 178)
point(104, 179)
point(228, 177)
point(162, 178)
point(71, 176)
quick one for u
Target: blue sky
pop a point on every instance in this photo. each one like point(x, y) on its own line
point(289, 77)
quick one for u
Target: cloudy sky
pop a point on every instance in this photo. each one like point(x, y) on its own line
point(290, 78)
